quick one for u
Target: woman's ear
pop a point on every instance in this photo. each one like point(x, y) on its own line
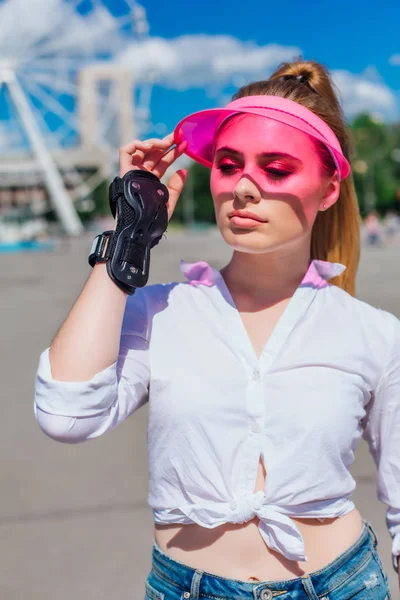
point(331, 192)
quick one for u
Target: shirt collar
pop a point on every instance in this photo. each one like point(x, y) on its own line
point(203, 273)
point(199, 272)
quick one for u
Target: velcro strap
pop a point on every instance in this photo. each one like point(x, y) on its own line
point(133, 253)
point(117, 186)
point(116, 189)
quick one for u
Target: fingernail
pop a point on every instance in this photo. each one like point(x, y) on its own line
point(179, 135)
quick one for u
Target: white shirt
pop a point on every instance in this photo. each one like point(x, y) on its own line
point(329, 373)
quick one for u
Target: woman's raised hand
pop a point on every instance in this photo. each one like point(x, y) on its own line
point(152, 155)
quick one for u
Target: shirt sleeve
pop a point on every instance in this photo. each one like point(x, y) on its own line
point(76, 411)
point(382, 432)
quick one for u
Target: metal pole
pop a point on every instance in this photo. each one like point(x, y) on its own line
point(53, 180)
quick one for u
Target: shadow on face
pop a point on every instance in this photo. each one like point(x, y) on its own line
point(275, 172)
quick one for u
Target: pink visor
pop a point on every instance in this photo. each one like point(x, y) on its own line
point(200, 128)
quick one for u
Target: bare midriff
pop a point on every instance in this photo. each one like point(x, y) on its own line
point(239, 552)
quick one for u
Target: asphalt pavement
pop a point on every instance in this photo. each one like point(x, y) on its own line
point(74, 520)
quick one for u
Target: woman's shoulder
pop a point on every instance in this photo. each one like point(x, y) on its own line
point(355, 311)
point(195, 276)
point(157, 296)
point(146, 303)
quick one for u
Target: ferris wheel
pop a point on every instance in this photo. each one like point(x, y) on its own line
point(58, 68)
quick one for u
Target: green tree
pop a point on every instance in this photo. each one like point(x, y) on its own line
point(196, 190)
point(376, 173)
point(100, 199)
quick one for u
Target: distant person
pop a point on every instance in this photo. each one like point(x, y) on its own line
point(262, 376)
point(373, 229)
point(391, 225)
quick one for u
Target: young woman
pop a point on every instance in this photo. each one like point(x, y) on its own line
point(261, 377)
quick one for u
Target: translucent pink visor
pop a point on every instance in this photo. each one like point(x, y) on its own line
point(199, 128)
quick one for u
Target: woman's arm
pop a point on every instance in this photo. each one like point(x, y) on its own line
point(382, 431)
point(96, 371)
point(88, 341)
point(76, 411)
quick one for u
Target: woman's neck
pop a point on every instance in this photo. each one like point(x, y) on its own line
point(266, 277)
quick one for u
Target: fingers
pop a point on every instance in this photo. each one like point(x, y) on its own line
point(175, 187)
point(168, 158)
point(143, 154)
point(157, 151)
point(146, 144)
point(125, 162)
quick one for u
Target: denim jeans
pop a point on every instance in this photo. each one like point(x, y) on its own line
point(357, 574)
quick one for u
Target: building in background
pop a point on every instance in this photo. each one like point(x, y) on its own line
point(66, 104)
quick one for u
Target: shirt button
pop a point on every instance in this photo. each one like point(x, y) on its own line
point(255, 428)
point(256, 375)
point(233, 505)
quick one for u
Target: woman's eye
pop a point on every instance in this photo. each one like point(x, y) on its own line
point(227, 168)
point(277, 172)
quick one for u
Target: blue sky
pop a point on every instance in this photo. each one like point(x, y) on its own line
point(198, 53)
point(351, 37)
point(344, 34)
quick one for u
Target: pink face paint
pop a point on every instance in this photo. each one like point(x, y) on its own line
point(200, 128)
point(270, 169)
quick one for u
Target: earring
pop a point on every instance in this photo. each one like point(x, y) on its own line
point(324, 206)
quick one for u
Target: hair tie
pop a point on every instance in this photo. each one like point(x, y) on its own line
point(299, 78)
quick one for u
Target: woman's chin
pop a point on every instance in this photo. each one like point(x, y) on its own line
point(248, 241)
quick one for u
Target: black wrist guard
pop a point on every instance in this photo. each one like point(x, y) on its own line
point(139, 202)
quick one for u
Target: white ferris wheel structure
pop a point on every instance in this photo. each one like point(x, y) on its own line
point(61, 87)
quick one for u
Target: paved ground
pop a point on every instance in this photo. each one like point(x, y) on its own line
point(74, 522)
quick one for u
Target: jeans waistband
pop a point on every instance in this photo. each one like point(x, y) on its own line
point(315, 584)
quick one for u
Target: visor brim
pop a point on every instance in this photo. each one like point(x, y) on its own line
point(199, 130)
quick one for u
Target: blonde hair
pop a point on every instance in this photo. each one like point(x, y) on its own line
point(336, 231)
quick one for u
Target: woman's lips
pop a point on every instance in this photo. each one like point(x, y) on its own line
point(245, 219)
point(245, 222)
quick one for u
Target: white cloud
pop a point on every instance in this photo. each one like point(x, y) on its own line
point(214, 62)
point(365, 93)
point(31, 30)
point(203, 60)
point(395, 60)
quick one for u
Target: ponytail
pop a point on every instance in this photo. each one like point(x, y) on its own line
point(336, 231)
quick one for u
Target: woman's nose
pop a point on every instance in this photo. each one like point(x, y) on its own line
point(246, 191)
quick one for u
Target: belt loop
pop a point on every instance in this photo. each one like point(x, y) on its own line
point(373, 534)
point(309, 588)
point(195, 586)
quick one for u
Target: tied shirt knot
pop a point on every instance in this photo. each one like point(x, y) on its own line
point(278, 530)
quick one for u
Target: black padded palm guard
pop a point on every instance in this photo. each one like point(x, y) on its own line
point(139, 200)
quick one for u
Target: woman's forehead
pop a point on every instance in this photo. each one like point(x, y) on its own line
point(257, 135)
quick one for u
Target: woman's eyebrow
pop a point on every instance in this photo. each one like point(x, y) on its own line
point(279, 155)
point(228, 150)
